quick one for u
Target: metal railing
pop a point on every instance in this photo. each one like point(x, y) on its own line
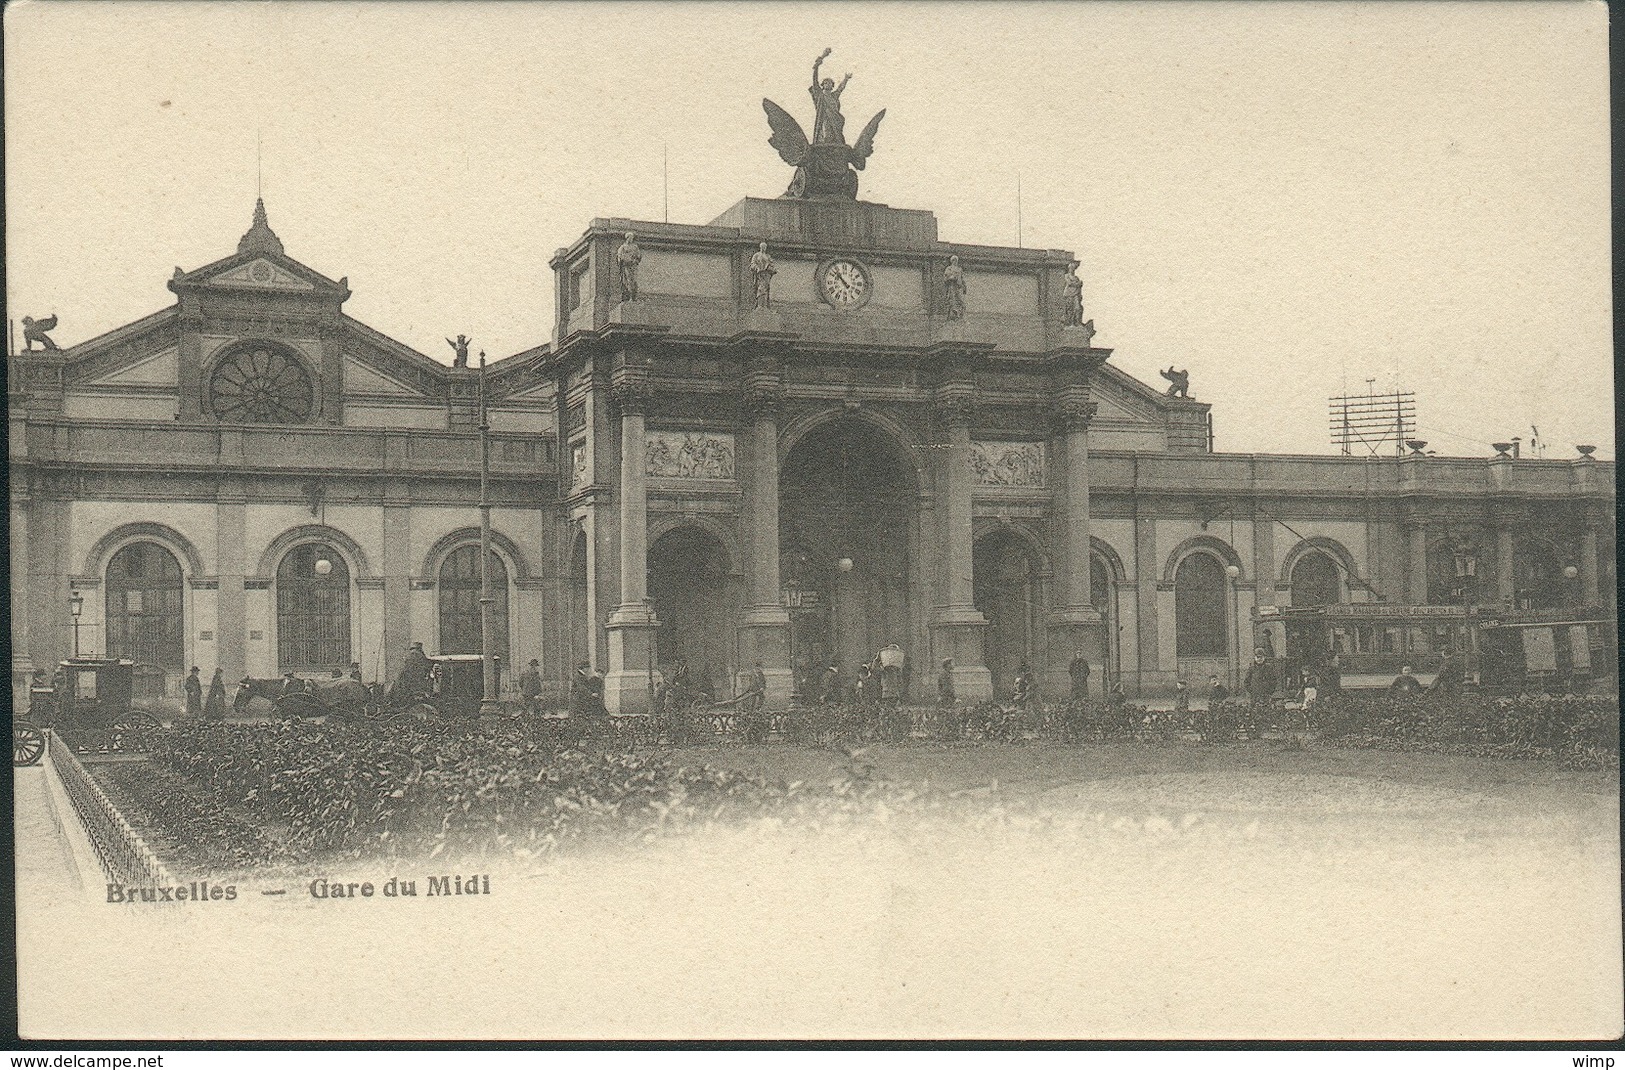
point(124, 856)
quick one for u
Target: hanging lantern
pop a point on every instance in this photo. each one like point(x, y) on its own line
point(323, 566)
point(844, 564)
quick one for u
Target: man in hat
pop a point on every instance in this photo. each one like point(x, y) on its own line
point(945, 684)
point(1079, 671)
point(581, 690)
point(194, 693)
point(530, 686)
point(1260, 681)
point(242, 696)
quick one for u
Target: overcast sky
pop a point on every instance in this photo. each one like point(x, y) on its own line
point(1285, 199)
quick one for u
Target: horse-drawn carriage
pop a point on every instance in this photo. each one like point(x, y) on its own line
point(87, 703)
point(453, 687)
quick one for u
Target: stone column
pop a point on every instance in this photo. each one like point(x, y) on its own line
point(1075, 623)
point(1590, 588)
point(1145, 601)
point(1416, 569)
point(766, 623)
point(632, 626)
point(22, 665)
point(397, 575)
point(957, 626)
point(1505, 588)
point(1264, 565)
point(231, 604)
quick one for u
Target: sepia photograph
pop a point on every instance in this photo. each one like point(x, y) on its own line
point(781, 521)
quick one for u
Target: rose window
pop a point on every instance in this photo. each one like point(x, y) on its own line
point(261, 386)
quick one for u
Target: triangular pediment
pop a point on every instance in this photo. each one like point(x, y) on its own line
point(543, 391)
point(361, 378)
point(1111, 408)
point(159, 369)
point(261, 274)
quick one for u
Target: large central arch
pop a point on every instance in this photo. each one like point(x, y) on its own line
point(848, 494)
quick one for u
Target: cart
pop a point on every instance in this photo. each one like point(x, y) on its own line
point(87, 703)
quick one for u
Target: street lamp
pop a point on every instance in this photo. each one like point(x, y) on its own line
point(76, 607)
point(1232, 572)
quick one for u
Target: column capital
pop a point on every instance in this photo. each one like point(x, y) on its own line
point(631, 395)
point(1073, 414)
point(763, 390)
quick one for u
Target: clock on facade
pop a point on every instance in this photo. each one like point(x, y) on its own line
point(844, 284)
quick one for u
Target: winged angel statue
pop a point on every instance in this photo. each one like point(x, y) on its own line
point(827, 166)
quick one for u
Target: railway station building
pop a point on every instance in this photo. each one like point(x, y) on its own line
point(249, 478)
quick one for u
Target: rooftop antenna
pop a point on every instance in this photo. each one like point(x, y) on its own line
point(1018, 209)
point(665, 187)
point(259, 163)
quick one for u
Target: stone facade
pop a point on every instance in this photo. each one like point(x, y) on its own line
point(686, 476)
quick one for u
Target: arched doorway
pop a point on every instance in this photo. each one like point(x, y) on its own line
point(1103, 593)
point(313, 609)
point(846, 502)
point(459, 584)
point(1005, 585)
point(581, 631)
point(1201, 618)
point(145, 600)
point(696, 601)
point(1316, 580)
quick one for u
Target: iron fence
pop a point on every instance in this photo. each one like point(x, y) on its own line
point(124, 856)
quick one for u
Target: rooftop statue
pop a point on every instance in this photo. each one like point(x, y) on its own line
point(827, 166)
point(1180, 380)
point(34, 331)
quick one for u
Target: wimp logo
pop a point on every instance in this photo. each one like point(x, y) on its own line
point(1600, 1062)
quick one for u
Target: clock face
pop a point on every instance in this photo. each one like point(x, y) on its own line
point(844, 284)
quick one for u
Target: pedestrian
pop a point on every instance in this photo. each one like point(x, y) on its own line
point(1079, 671)
point(945, 684)
point(1451, 675)
point(829, 685)
point(1182, 696)
point(756, 696)
point(1024, 692)
point(194, 693)
point(242, 697)
point(214, 708)
point(595, 696)
point(1405, 685)
point(864, 687)
point(530, 686)
point(581, 690)
point(1217, 693)
point(1260, 681)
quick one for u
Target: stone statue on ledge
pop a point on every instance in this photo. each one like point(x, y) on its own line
point(761, 265)
point(627, 258)
point(460, 347)
point(1073, 296)
point(1180, 380)
point(34, 331)
point(825, 166)
point(953, 283)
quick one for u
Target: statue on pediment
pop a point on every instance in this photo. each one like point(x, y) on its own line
point(761, 266)
point(460, 347)
point(826, 166)
point(1072, 295)
point(35, 331)
point(1180, 382)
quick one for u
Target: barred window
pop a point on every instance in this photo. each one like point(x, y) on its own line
point(313, 609)
point(1199, 613)
point(459, 587)
point(145, 601)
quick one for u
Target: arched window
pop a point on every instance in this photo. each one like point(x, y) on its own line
point(1199, 608)
point(313, 609)
point(261, 384)
point(1316, 581)
point(459, 586)
point(144, 607)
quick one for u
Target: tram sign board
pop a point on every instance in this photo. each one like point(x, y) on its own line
point(1365, 610)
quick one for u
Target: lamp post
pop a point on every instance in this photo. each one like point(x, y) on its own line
point(1232, 572)
point(489, 703)
point(76, 607)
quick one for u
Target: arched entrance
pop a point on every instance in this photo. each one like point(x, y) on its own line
point(144, 608)
point(313, 609)
point(1316, 580)
point(696, 601)
point(846, 499)
point(1005, 585)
